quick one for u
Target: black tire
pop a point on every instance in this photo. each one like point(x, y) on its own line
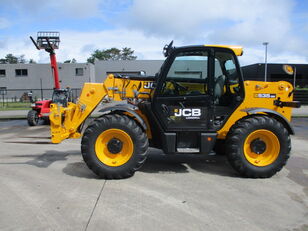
point(119, 122)
point(32, 118)
point(237, 137)
point(220, 147)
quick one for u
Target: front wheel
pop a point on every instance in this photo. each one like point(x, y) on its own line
point(114, 146)
point(258, 146)
point(32, 118)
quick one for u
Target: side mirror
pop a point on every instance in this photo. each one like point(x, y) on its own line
point(167, 49)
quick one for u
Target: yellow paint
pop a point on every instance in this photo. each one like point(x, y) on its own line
point(75, 114)
point(118, 89)
point(108, 158)
point(271, 152)
point(145, 119)
point(281, 89)
point(115, 89)
point(238, 50)
point(189, 87)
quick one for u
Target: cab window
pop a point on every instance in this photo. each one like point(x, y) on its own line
point(226, 79)
point(187, 75)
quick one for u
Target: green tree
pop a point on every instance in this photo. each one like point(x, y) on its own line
point(70, 61)
point(21, 59)
point(10, 58)
point(128, 54)
point(32, 61)
point(112, 54)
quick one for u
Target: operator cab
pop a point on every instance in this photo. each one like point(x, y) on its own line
point(197, 89)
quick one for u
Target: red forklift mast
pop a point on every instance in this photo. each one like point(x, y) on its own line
point(54, 68)
point(49, 41)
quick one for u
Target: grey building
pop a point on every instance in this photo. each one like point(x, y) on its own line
point(103, 68)
point(16, 79)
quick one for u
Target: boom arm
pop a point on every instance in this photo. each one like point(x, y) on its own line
point(66, 121)
point(54, 69)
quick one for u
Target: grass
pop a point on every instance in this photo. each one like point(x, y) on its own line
point(9, 106)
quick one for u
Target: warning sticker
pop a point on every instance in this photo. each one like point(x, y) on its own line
point(264, 95)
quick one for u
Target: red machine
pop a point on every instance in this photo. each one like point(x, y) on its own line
point(49, 41)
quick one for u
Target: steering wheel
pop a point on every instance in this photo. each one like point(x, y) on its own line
point(178, 87)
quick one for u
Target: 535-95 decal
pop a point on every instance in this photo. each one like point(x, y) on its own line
point(264, 95)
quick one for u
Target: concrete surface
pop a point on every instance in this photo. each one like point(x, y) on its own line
point(22, 114)
point(13, 114)
point(45, 186)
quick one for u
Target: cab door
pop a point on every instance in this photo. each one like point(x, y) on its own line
point(182, 97)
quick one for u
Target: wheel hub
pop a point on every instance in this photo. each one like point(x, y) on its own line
point(115, 146)
point(258, 146)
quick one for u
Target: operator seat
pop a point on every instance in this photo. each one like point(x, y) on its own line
point(219, 88)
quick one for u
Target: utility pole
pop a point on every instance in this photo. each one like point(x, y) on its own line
point(265, 61)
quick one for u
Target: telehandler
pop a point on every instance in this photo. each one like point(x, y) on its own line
point(196, 102)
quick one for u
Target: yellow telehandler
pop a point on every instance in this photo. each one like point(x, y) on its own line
point(197, 102)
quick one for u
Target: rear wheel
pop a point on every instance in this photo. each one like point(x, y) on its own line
point(32, 118)
point(258, 147)
point(114, 146)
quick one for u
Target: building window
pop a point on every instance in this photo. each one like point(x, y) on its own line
point(21, 72)
point(79, 71)
point(3, 91)
point(2, 72)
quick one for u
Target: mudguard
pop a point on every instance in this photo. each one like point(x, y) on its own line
point(274, 114)
point(130, 109)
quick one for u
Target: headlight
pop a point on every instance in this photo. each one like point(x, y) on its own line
point(33, 105)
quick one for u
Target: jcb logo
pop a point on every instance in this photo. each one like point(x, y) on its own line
point(148, 85)
point(188, 112)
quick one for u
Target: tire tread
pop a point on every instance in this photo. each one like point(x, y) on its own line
point(234, 141)
point(140, 147)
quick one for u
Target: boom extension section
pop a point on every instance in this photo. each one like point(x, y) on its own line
point(66, 121)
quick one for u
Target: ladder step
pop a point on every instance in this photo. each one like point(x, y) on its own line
point(188, 150)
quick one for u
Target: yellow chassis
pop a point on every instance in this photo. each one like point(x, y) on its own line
point(66, 121)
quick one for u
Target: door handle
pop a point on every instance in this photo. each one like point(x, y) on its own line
point(165, 109)
point(181, 104)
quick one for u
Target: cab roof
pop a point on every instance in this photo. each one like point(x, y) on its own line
point(238, 50)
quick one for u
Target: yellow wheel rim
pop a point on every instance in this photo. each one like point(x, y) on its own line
point(271, 148)
point(104, 154)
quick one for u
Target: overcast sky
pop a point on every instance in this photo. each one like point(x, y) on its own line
point(146, 26)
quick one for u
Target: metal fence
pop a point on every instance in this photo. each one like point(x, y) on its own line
point(22, 97)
